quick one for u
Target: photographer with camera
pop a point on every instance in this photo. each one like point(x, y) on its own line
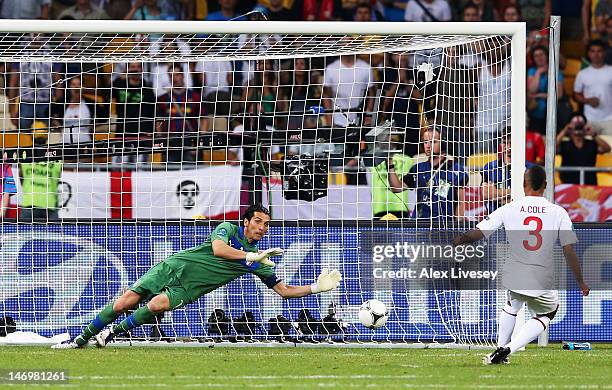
point(580, 149)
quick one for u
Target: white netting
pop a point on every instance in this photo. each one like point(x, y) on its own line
point(109, 128)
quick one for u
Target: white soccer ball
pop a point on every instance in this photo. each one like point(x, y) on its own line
point(373, 314)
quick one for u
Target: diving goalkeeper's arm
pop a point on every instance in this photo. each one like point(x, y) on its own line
point(326, 281)
point(225, 251)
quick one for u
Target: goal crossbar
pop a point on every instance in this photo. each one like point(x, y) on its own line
point(266, 27)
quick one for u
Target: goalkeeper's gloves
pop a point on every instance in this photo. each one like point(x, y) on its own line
point(262, 257)
point(326, 281)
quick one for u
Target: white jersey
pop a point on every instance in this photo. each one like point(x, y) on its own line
point(349, 86)
point(532, 225)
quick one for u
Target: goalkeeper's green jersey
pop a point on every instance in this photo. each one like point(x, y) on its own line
point(199, 271)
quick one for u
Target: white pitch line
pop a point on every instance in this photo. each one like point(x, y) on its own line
point(234, 377)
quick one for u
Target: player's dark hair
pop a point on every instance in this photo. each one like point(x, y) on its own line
point(536, 48)
point(581, 115)
point(595, 42)
point(250, 212)
point(468, 6)
point(363, 4)
point(536, 177)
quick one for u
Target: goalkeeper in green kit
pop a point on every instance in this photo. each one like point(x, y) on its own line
point(182, 278)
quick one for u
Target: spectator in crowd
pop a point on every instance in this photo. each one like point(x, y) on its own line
point(226, 12)
point(217, 80)
point(83, 9)
point(511, 13)
point(428, 11)
point(493, 98)
point(593, 89)
point(116, 9)
point(348, 82)
point(321, 10)
point(278, 11)
point(486, 11)
point(145, 10)
point(8, 187)
point(135, 102)
point(594, 19)
point(162, 78)
point(537, 89)
point(363, 13)
point(438, 181)
point(496, 177)
point(579, 151)
point(393, 10)
point(536, 38)
point(178, 9)
point(535, 13)
point(471, 13)
point(534, 146)
point(32, 82)
point(74, 116)
point(181, 111)
point(347, 90)
point(347, 10)
point(298, 92)
point(260, 95)
point(39, 187)
point(25, 9)
point(348, 87)
point(401, 102)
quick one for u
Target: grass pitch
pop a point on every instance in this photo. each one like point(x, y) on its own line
point(309, 368)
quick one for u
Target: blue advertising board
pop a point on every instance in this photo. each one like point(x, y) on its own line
point(55, 277)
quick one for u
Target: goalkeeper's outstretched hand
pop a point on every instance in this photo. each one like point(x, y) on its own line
point(262, 256)
point(326, 281)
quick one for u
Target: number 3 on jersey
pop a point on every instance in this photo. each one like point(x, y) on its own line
point(536, 233)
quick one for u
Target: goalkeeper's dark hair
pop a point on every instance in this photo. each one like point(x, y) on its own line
point(256, 208)
point(536, 177)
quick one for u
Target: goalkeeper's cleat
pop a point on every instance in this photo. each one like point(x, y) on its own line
point(104, 337)
point(67, 345)
point(499, 356)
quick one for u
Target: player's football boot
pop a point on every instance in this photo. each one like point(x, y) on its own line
point(104, 337)
point(67, 345)
point(499, 356)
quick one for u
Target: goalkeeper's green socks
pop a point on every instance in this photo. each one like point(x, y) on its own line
point(105, 317)
point(141, 316)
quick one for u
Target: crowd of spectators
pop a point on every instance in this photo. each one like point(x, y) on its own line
point(172, 97)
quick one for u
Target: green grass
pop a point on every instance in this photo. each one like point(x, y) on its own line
point(309, 368)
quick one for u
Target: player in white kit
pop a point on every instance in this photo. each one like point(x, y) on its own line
point(532, 225)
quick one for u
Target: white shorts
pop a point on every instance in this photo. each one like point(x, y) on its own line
point(543, 304)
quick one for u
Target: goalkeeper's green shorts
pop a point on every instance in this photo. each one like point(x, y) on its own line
point(161, 279)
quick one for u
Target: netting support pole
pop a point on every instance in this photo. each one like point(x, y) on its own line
point(551, 121)
point(551, 106)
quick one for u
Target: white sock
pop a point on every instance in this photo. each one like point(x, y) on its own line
point(506, 322)
point(529, 332)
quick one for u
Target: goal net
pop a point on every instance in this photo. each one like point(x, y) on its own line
point(129, 146)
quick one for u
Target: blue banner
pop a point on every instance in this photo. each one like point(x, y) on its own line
point(54, 278)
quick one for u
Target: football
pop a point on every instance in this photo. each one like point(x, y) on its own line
point(373, 314)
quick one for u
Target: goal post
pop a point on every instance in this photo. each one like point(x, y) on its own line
point(294, 129)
